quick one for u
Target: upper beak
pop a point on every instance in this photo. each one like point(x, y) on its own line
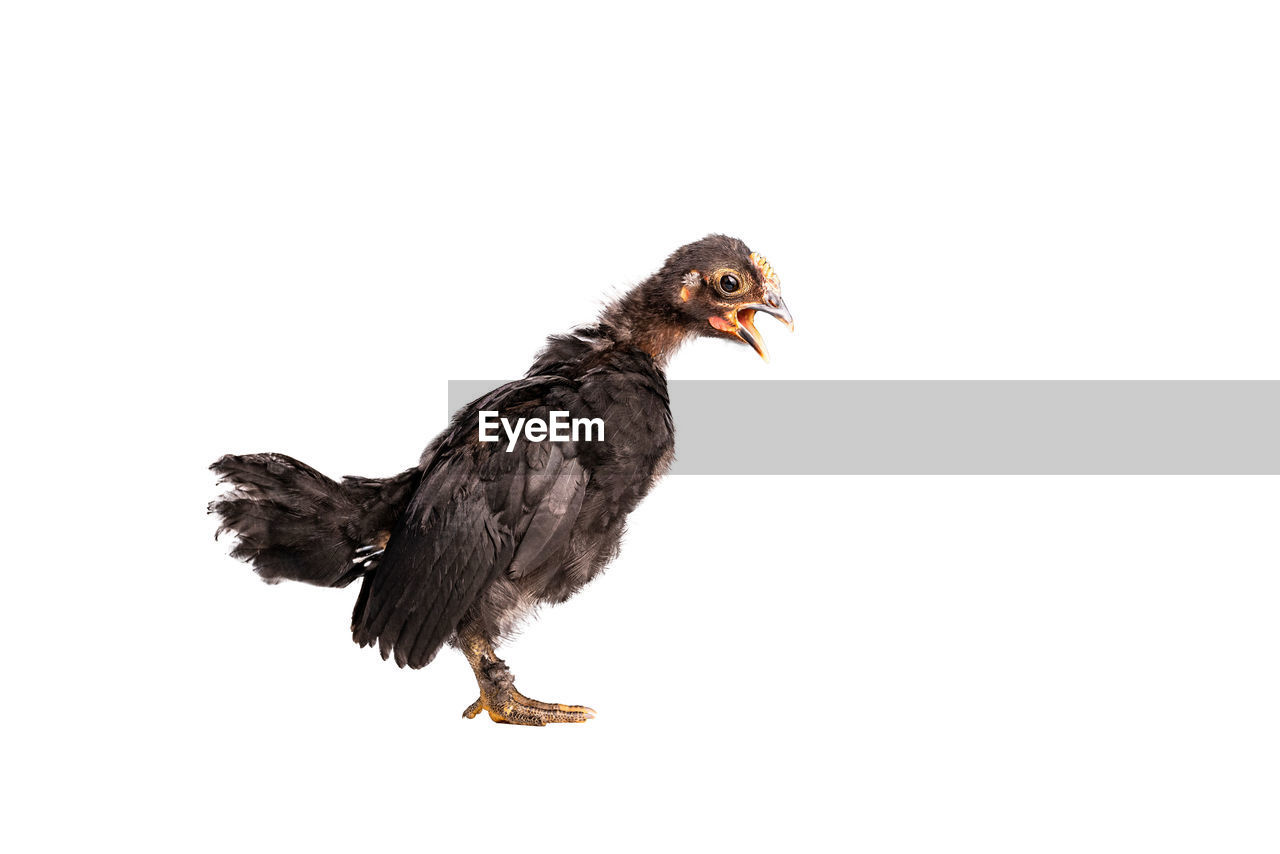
point(747, 331)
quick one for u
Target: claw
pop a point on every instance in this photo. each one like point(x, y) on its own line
point(512, 707)
point(498, 694)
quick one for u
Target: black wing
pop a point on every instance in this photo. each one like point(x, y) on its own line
point(479, 510)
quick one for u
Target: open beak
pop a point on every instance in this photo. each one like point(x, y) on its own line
point(746, 329)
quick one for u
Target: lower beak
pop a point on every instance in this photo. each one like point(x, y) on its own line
point(747, 331)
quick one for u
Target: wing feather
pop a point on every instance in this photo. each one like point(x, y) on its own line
point(478, 511)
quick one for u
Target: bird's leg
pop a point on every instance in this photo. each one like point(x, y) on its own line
point(498, 694)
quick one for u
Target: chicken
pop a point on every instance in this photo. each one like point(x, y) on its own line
point(457, 549)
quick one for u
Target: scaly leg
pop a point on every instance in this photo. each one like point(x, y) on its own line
point(498, 694)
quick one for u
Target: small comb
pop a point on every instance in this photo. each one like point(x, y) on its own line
point(765, 269)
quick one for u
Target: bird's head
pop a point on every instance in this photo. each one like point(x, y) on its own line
point(718, 285)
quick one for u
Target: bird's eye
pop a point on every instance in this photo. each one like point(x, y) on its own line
point(729, 284)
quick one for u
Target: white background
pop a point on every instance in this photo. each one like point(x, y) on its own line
point(274, 226)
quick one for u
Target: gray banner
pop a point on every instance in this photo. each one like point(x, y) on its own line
point(968, 427)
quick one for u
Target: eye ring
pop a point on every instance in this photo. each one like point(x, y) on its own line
point(728, 283)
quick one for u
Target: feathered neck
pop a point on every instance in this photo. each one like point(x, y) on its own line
point(642, 319)
point(646, 318)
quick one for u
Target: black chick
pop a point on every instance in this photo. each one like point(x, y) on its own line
point(459, 548)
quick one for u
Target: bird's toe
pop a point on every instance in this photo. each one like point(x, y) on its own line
point(512, 707)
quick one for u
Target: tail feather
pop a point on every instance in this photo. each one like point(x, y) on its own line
point(293, 523)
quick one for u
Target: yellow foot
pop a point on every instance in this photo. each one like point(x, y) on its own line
point(512, 707)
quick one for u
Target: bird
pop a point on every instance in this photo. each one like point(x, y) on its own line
point(457, 550)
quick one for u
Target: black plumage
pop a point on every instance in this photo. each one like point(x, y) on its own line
point(459, 547)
